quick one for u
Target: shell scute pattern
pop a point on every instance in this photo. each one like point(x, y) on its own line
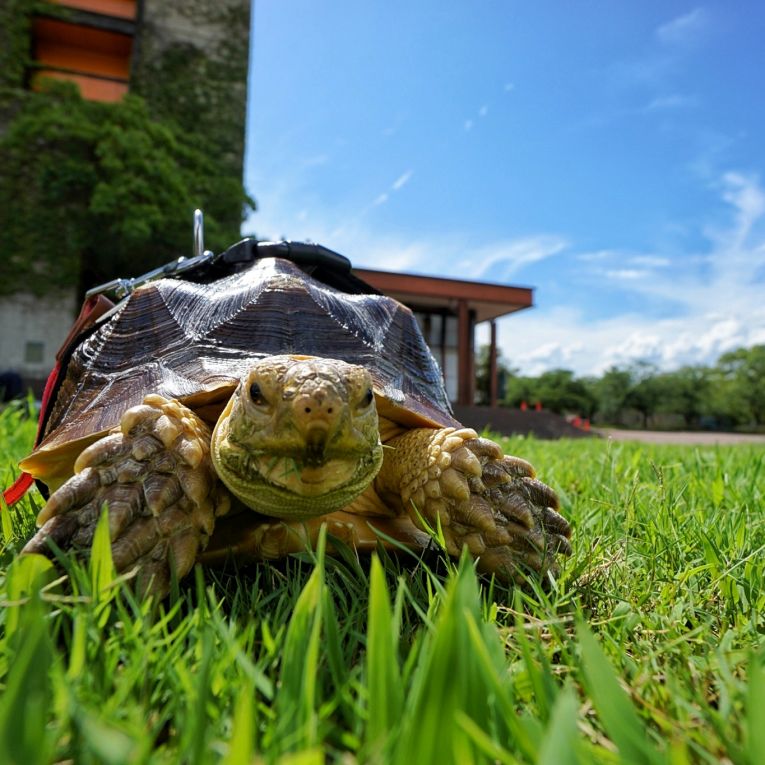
point(177, 339)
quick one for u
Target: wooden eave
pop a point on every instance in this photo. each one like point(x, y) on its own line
point(487, 301)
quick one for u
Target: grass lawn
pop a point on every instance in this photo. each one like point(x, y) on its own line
point(648, 648)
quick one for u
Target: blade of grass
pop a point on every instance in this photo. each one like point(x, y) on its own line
point(26, 578)
point(384, 687)
point(559, 746)
point(296, 702)
point(755, 706)
point(242, 743)
point(617, 714)
point(26, 698)
point(102, 572)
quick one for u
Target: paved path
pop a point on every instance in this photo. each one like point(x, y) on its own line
point(681, 437)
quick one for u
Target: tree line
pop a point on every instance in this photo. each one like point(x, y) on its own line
point(729, 394)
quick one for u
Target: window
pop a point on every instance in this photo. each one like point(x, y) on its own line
point(97, 60)
point(124, 9)
point(33, 352)
point(440, 332)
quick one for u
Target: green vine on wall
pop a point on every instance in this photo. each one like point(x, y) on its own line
point(199, 83)
point(15, 43)
point(90, 191)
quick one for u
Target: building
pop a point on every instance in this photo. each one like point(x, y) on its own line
point(187, 60)
point(447, 311)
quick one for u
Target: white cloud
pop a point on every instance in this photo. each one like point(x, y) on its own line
point(658, 65)
point(284, 213)
point(402, 180)
point(468, 125)
point(683, 29)
point(650, 261)
point(397, 185)
point(500, 261)
point(509, 87)
point(672, 101)
point(597, 255)
point(746, 195)
point(288, 209)
point(716, 308)
point(643, 261)
point(627, 274)
point(538, 340)
point(483, 111)
point(720, 311)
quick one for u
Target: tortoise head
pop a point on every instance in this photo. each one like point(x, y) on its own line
point(299, 436)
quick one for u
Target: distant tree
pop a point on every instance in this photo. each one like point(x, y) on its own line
point(557, 390)
point(646, 390)
point(90, 191)
point(563, 393)
point(519, 389)
point(611, 393)
point(743, 375)
point(728, 394)
point(686, 392)
point(723, 407)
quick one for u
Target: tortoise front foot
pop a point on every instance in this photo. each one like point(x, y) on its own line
point(479, 497)
point(154, 475)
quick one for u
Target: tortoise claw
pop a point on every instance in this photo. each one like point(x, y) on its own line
point(503, 514)
point(155, 477)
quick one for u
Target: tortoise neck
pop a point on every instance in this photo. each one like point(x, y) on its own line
point(390, 429)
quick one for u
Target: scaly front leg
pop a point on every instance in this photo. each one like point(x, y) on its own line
point(155, 475)
point(483, 499)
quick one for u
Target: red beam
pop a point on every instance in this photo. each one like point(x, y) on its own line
point(432, 286)
point(493, 366)
point(463, 353)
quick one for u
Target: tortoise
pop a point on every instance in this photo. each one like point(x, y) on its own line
point(239, 416)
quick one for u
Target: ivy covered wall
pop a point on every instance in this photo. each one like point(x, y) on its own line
point(16, 49)
point(93, 191)
point(191, 64)
point(14, 54)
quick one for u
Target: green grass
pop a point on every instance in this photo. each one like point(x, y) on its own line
point(647, 649)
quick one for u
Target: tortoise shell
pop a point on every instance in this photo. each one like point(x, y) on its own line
point(194, 342)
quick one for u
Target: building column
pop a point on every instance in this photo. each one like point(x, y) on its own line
point(464, 386)
point(493, 382)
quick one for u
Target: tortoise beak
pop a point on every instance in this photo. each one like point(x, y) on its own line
point(316, 437)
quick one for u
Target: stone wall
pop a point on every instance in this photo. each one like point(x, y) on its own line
point(190, 64)
point(31, 332)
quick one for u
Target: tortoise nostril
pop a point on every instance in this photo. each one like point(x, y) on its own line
point(329, 411)
point(308, 410)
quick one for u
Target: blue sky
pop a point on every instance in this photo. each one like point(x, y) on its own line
point(608, 154)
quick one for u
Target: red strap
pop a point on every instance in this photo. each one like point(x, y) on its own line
point(50, 385)
point(25, 481)
point(18, 489)
point(91, 310)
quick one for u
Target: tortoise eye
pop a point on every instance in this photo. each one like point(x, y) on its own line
point(257, 395)
point(369, 397)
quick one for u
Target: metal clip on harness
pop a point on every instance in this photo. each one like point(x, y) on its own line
point(121, 288)
point(317, 261)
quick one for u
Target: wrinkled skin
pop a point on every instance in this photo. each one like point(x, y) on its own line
point(299, 438)
point(297, 446)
